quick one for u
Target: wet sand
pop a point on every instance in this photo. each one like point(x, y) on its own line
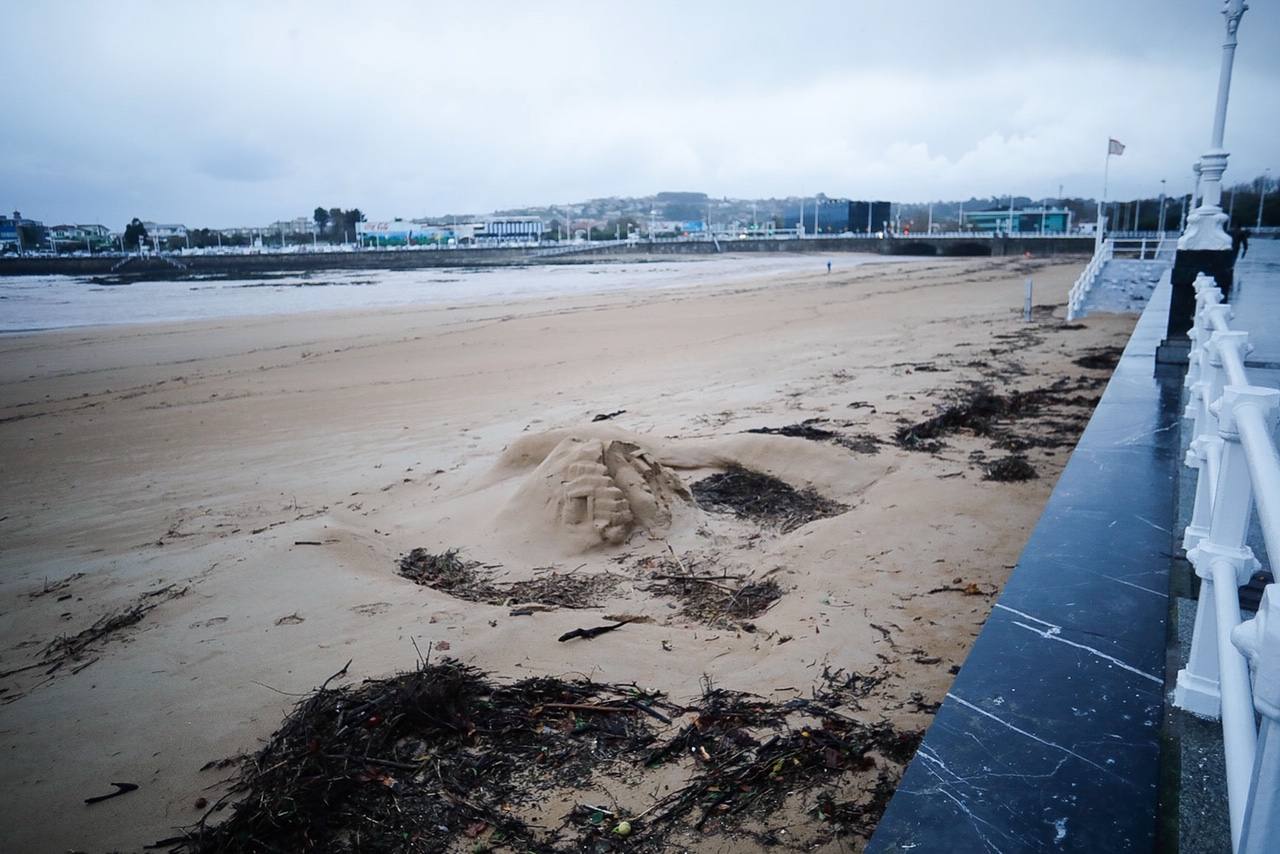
point(274, 469)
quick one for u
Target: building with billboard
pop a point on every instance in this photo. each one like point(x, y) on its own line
point(868, 217)
point(1018, 221)
point(832, 216)
point(839, 216)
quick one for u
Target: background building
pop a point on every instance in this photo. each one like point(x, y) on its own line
point(19, 233)
point(519, 229)
point(839, 216)
point(1019, 221)
point(163, 231)
point(868, 217)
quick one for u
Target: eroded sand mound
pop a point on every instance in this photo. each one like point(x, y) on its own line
point(590, 492)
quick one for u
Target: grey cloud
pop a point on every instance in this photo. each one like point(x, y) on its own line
point(239, 163)
point(259, 111)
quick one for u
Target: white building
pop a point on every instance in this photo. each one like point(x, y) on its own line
point(512, 229)
point(163, 231)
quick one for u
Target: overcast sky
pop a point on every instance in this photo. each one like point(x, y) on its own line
point(224, 114)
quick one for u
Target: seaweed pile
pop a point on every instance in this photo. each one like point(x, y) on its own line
point(449, 573)
point(751, 756)
point(862, 443)
point(1009, 469)
point(415, 761)
point(1101, 358)
point(763, 498)
point(981, 411)
point(716, 603)
point(440, 758)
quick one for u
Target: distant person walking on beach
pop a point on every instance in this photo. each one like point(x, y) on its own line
point(828, 266)
point(1239, 242)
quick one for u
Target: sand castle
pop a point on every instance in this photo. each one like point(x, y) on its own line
point(590, 492)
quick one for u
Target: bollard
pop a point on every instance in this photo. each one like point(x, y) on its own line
point(1026, 305)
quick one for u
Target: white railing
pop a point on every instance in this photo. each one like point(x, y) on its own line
point(1080, 290)
point(1140, 248)
point(1238, 471)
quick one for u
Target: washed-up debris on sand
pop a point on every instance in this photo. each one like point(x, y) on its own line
point(441, 756)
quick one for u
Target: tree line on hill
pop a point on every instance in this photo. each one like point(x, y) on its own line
point(336, 225)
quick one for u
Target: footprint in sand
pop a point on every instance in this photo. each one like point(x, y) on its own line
point(204, 624)
point(290, 620)
point(371, 609)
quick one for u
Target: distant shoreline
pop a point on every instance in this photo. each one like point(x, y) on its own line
point(169, 266)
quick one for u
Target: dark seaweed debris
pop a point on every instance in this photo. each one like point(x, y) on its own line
point(981, 411)
point(975, 409)
point(1101, 358)
point(446, 571)
point(763, 498)
point(862, 443)
point(426, 760)
point(66, 648)
point(450, 573)
point(1010, 468)
point(752, 754)
point(415, 761)
point(720, 604)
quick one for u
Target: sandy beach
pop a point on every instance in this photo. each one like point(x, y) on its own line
point(251, 485)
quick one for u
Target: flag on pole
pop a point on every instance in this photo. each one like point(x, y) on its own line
point(1114, 146)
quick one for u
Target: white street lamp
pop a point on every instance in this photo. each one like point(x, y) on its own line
point(1205, 227)
point(1161, 228)
point(1266, 183)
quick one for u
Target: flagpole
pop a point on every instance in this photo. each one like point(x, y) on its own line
point(1106, 168)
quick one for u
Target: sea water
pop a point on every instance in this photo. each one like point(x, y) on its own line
point(36, 303)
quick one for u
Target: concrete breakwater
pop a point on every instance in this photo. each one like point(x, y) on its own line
point(281, 262)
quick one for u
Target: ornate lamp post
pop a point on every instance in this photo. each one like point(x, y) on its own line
point(1206, 225)
point(1205, 246)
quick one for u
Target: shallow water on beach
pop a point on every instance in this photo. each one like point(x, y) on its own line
point(36, 303)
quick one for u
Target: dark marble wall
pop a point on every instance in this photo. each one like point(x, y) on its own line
point(1049, 739)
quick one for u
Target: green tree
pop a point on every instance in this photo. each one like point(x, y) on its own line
point(133, 232)
point(321, 217)
point(349, 220)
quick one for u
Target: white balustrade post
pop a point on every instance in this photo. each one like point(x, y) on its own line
point(1206, 290)
point(1259, 641)
point(1229, 502)
point(1205, 450)
point(1232, 563)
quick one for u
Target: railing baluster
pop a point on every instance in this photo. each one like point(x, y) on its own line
point(1259, 641)
point(1238, 468)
